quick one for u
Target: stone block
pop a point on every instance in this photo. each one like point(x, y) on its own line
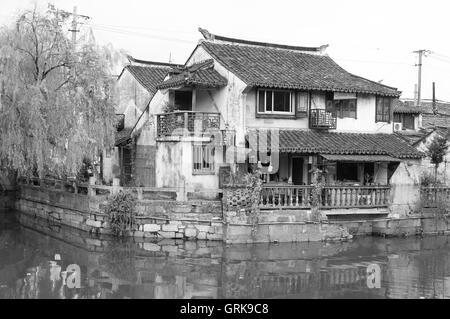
point(170, 227)
point(214, 236)
point(179, 235)
point(167, 234)
point(204, 228)
point(201, 235)
point(138, 233)
point(151, 234)
point(190, 232)
point(94, 223)
point(151, 227)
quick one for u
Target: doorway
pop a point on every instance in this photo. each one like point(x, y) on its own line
point(297, 170)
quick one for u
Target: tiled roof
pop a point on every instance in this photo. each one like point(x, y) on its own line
point(426, 106)
point(269, 66)
point(149, 76)
point(201, 74)
point(123, 135)
point(401, 107)
point(300, 141)
point(360, 158)
point(430, 120)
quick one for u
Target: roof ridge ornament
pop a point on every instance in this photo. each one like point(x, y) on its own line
point(206, 34)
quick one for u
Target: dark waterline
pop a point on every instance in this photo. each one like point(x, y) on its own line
point(410, 268)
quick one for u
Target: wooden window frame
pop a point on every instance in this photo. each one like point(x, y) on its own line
point(292, 104)
point(383, 119)
point(203, 170)
point(338, 111)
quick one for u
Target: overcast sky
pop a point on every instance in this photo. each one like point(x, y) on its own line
point(373, 39)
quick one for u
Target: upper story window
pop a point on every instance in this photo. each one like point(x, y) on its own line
point(383, 109)
point(342, 104)
point(407, 120)
point(275, 102)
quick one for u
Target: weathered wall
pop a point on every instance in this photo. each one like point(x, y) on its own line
point(279, 226)
point(192, 219)
point(167, 218)
point(132, 98)
point(230, 100)
point(174, 166)
point(428, 168)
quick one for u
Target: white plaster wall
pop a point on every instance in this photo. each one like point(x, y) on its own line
point(405, 189)
point(428, 167)
point(408, 172)
point(381, 173)
point(365, 121)
point(131, 98)
point(174, 167)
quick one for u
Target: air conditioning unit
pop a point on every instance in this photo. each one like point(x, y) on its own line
point(398, 126)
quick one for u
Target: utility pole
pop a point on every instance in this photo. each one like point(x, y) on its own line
point(75, 23)
point(74, 29)
point(419, 80)
point(434, 100)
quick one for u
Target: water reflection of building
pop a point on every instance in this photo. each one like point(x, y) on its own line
point(410, 268)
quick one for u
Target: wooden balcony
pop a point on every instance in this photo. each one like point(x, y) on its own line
point(321, 119)
point(298, 197)
point(186, 122)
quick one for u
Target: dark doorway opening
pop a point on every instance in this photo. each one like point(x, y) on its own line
point(297, 171)
point(183, 100)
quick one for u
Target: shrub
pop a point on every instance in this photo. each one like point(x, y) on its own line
point(121, 210)
point(428, 179)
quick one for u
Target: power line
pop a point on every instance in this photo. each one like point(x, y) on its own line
point(146, 35)
point(142, 28)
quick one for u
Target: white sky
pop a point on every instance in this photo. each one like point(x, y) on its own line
point(373, 39)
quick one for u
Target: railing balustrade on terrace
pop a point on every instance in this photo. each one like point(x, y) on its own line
point(299, 196)
point(432, 196)
point(142, 193)
point(181, 122)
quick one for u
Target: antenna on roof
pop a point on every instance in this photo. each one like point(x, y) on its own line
point(170, 57)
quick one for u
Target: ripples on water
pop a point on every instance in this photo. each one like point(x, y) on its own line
point(410, 268)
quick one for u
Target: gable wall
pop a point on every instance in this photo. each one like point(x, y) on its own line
point(131, 98)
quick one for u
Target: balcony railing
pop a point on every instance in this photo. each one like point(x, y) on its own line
point(186, 122)
point(321, 119)
point(293, 196)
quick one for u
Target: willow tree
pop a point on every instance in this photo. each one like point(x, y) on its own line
point(56, 103)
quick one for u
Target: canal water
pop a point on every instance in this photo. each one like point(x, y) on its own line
point(40, 260)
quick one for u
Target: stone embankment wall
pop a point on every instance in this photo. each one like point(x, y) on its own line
point(279, 226)
point(191, 219)
point(159, 219)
